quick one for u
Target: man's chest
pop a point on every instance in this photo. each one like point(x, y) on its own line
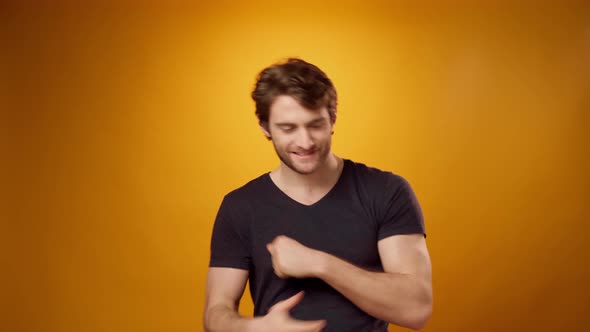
point(340, 228)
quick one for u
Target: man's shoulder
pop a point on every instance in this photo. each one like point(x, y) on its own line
point(372, 175)
point(250, 190)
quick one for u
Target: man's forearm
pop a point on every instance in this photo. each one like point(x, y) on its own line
point(221, 318)
point(398, 298)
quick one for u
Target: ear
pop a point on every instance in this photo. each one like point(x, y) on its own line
point(264, 128)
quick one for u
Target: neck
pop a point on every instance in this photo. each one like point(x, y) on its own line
point(325, 175)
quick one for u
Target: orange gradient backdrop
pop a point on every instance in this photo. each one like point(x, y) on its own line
point(125, 125)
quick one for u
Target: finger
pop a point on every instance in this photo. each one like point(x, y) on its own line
point(280, 274)
point(270, 248)
point(289, 303)
point(277, 271)
point(273, 259)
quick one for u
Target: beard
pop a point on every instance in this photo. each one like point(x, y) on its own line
point(287, 159)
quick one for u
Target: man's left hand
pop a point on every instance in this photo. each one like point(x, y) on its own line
point(292, 259)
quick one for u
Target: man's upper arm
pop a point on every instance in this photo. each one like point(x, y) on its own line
point(407, 254)
point(225, 286)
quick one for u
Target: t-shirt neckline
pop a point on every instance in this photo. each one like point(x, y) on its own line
point(330, 192)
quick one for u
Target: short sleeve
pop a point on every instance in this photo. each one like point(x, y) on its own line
point(228, 241)
point(401, 212)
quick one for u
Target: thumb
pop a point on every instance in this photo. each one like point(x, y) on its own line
point(288, 304)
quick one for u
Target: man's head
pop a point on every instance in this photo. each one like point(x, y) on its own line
point(301, 80)
point(296, 109)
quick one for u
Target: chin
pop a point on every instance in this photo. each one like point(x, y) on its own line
point(304, 169)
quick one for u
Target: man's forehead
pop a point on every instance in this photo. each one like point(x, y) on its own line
point(287, 109)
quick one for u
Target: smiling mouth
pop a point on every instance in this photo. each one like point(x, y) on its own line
point(304, 154)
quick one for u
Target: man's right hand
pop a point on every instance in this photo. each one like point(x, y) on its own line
point(278, 318)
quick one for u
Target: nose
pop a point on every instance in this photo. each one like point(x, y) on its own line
point(304, 140)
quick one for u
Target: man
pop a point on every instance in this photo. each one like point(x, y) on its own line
point(326, 243)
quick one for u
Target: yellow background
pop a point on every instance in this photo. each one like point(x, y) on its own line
point(123, 127)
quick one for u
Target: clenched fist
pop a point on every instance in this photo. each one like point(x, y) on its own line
point(292, 259)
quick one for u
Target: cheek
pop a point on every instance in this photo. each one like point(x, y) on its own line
point(281, 142)
point(322, 137)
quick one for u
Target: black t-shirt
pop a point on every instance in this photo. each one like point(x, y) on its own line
point(364, 206)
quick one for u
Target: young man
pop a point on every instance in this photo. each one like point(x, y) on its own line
point(326, 243)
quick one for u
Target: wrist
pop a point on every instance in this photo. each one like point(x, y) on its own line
point(254, 325)
point(320, 267)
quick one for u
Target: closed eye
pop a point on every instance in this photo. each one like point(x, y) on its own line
point(286, 128)
point(317, 124)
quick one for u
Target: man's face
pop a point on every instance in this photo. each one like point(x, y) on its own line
point(301, 137)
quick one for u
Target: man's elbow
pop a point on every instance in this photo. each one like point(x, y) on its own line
point(414, 317)
point(417, 319)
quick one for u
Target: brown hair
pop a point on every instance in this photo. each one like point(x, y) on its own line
point(306, 83)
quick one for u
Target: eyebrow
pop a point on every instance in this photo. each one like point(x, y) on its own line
point(312, 122)
point(317, 121)
point(284, 124)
